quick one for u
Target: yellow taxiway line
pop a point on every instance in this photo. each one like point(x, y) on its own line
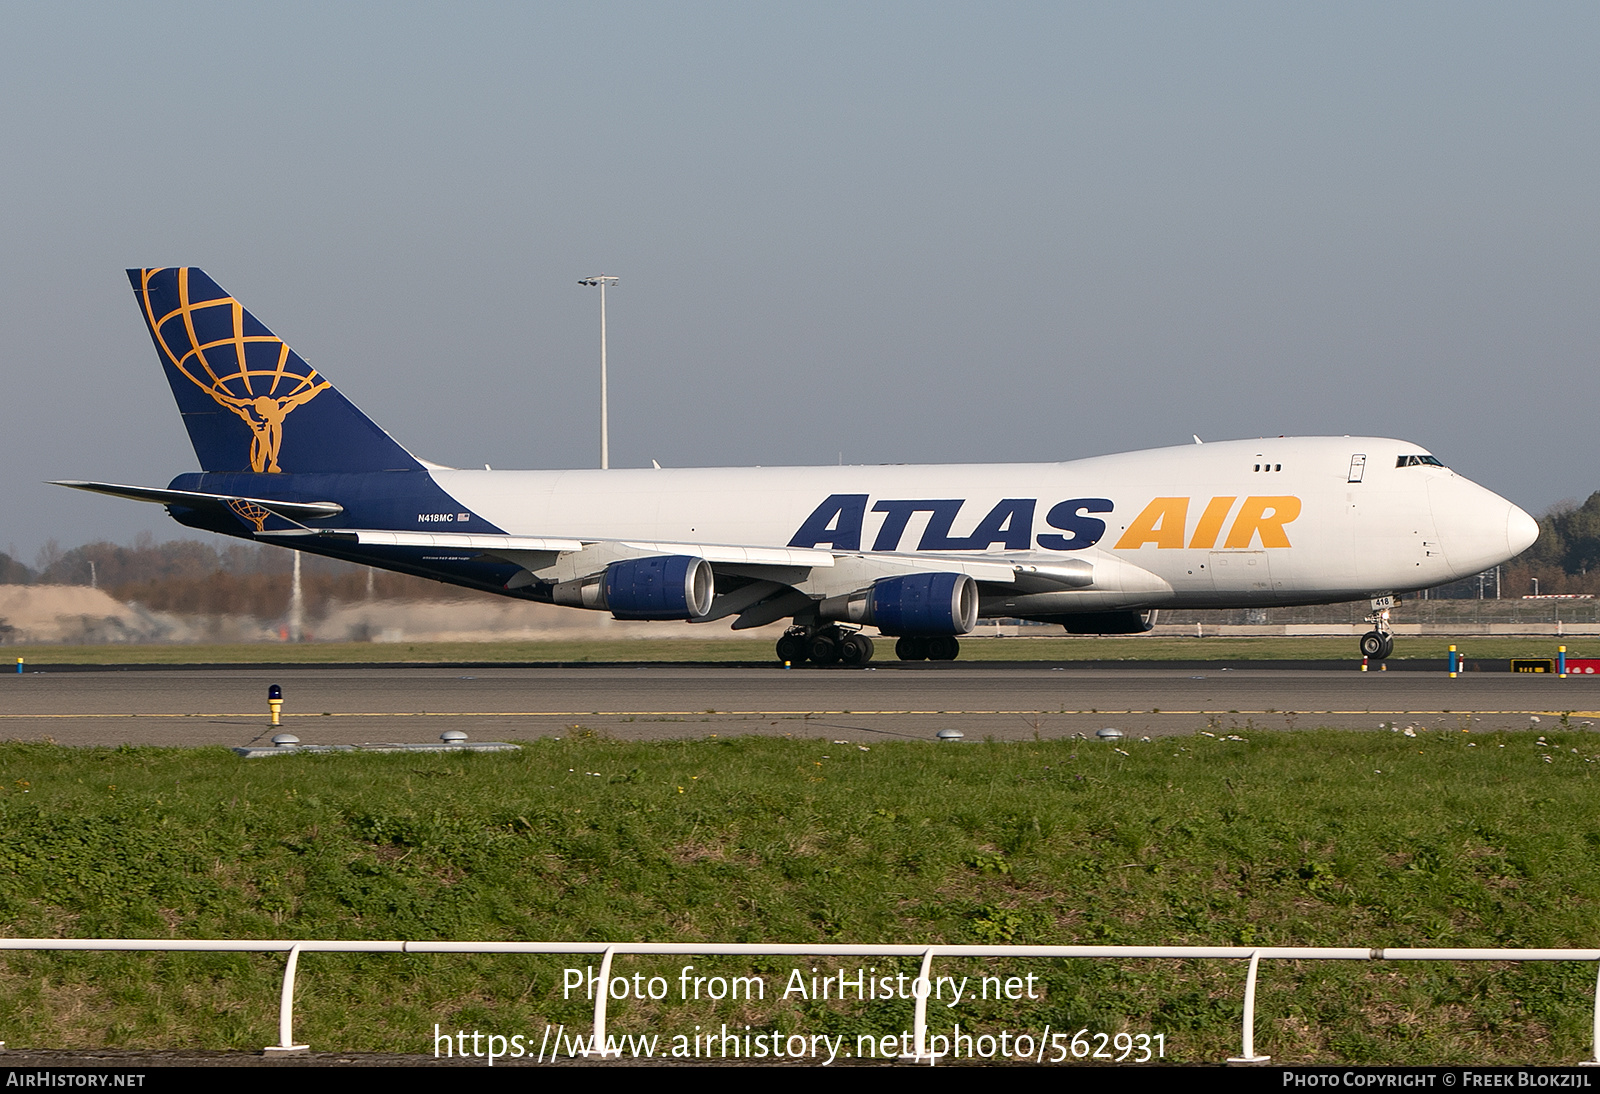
point(798, 713)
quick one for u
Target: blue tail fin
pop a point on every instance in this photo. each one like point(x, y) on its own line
point(249, 401)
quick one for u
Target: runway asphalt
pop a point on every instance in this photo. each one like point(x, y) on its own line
point(358, 704)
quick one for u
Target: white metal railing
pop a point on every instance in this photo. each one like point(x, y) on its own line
point(921, 986)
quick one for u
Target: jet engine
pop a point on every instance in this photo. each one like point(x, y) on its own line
point(665, 587)
point(660, 587)
point(916, 604)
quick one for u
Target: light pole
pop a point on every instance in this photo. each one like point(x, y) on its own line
point(297, 606)
point(605, 423)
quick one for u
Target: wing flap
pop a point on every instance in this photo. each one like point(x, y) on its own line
point(736, 555)
point(458, 541)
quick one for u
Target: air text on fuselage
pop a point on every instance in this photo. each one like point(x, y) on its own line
point(1073, 524)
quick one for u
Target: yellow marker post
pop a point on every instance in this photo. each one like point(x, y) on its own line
point(1561, 662)
point(19, 665)
point(275, 703)
point(1453, 662)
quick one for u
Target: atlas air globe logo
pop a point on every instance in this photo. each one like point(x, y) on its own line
point(220, 348)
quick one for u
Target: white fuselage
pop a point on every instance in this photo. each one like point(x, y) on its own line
point(1273, 521)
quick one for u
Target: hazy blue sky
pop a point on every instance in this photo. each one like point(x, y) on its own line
point(900, 232)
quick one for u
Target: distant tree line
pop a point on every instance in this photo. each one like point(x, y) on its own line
point(13, 572)
point(1566, 556)
point(193, 577)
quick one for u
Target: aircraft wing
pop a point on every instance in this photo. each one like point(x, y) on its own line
point(526, 550)
point(734, 559)
point(762, 584)
point(758, 584)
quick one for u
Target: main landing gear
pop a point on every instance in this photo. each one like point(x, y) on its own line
point(837, 646)
point(1378, 643)
point(940, 647)
point(826, 646)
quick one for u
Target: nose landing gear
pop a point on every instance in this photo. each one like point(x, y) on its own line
point(1378, 643)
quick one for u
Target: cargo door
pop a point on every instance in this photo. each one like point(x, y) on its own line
point(1242, 575)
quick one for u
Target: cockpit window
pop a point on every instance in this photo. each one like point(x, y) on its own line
point(1418, 461)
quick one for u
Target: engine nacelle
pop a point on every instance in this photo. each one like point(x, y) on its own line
point(916, 604)
point(662, 587)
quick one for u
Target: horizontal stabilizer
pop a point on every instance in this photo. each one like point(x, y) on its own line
point(194, 499)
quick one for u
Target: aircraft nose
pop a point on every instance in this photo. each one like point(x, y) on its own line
point(1521, 531)
point(1477, 527)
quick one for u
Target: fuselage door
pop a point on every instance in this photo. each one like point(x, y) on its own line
point(1245, 574)
point(1358, 467)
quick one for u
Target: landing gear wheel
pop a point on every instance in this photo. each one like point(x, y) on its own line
point(911, 649)
point(823, 648)
point(1377, 645)
point(792, 649)
point(943, 648)
point(1388, 647)
point(855, 649)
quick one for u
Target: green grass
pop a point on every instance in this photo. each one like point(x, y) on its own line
point(662, 649)
point(1306, 838)
point(1141, 648)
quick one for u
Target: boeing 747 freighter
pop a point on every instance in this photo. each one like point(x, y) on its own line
point(916, 553)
